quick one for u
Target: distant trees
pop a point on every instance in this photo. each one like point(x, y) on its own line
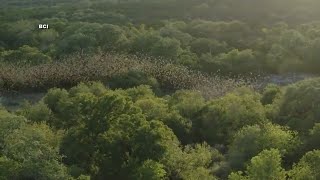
point(112, 37)
point(204, 45)
point(47, 39)
point(24, 55)
point(235, 61)
point(155, 45)
point(212, 46)
point(77, 43)
point(227, 47)
point(313, 55)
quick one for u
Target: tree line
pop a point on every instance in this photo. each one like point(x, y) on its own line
point(215, 44)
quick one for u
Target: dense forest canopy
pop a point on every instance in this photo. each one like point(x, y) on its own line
point(159, 89)
point(93, 132)
point(213, 36)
